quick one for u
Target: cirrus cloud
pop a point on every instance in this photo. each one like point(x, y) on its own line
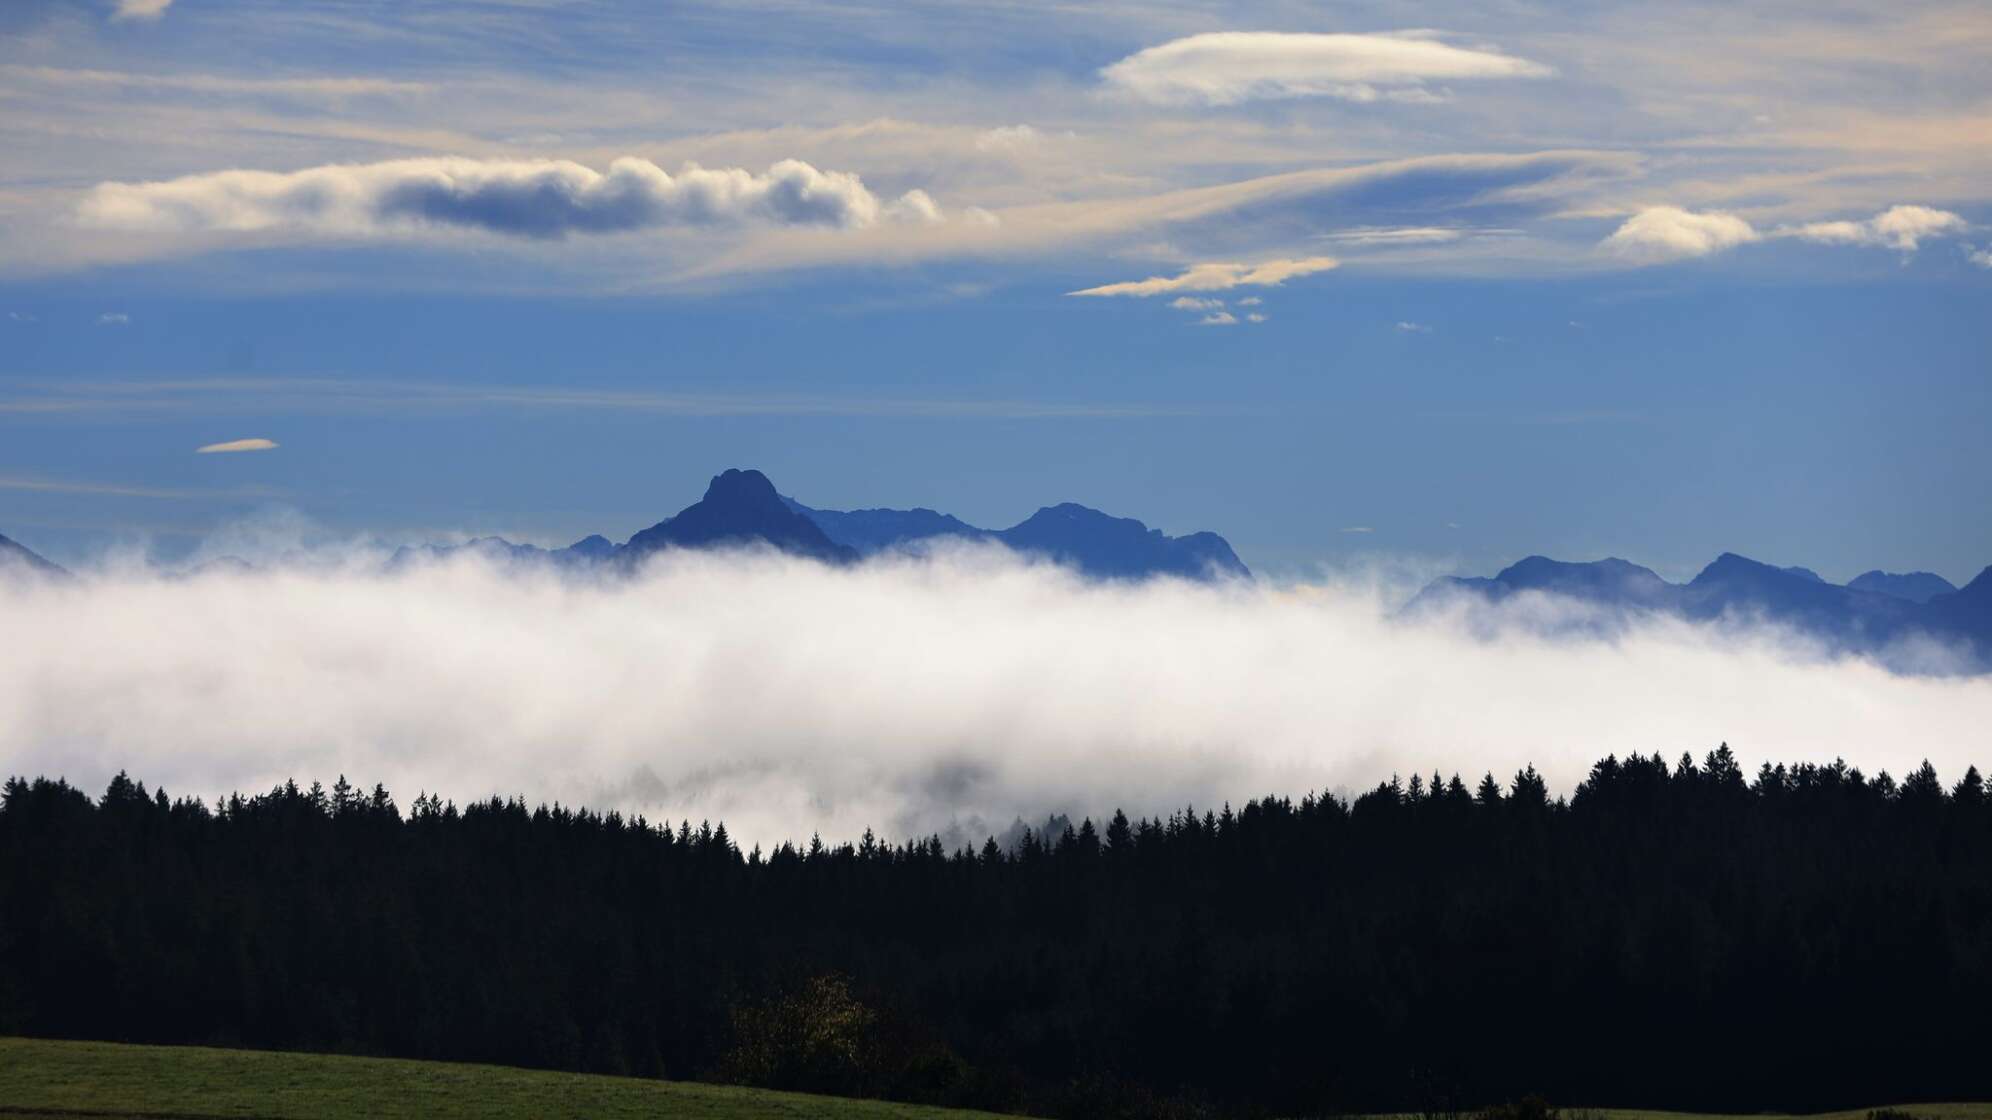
point(1229, 67)
point(237, 445)
point(523, 198)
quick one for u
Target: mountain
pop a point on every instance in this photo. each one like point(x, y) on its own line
point(740, 508)
point(1095, 543)
point(1917, 587)
point(1851, 618)
point(872, 531)
point(1120, 547)
point(16, 555)
point(587, 550)
point(1611, 582)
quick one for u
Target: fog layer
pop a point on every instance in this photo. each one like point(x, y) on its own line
point(948, 694)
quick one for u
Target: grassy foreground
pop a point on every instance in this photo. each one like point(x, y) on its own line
point(106, 1079)
point(42, 1078)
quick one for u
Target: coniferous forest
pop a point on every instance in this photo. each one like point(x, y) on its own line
point(1680, 936)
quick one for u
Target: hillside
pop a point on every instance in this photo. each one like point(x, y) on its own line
point(42, 1078)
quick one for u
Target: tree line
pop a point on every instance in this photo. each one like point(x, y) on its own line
point(1666, 937)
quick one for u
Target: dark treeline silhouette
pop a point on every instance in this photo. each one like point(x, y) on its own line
point(1667, 937)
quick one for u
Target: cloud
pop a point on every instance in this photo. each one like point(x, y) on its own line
point(114, 319)
point(523, 198)
point(1218, 319)
point(1008, 138)
point(1358, 529)
point(1250, 301)
point(139, 10)
point(943, 696)
point(1196, 303)
point(1229, 67)
point(1256, 317)
point(1668, 233)
point(237, 445)
point(1215, 277)
point(1900, 228)
point(1980, 257)
point(1413, 328)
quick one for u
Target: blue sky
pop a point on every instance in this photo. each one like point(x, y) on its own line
point(1528, 278)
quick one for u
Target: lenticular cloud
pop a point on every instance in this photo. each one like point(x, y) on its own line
point(946, 695)
point(526, 198)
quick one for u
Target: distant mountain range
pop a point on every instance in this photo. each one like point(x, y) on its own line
point(1871, 614)
point(1876, 613)
point(743, 508)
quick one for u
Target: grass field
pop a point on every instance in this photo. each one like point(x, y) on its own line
point(40, 1078)
point(102, 1079)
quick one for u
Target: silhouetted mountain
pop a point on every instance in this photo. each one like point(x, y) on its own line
point(872, 531)
point(1917, 587)
point(740, 508)
point(1093, 542)
point(1736, 588)
point(15, 554)
point(1120, 547)
point(594, 546)
point(1610, 581)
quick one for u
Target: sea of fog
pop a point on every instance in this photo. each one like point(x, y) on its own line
point(948, 694)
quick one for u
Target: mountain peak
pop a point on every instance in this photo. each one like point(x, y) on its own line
point(741, 508)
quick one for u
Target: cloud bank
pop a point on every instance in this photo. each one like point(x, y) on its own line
point(949, 695)
point(1216, 276)
point(1229, 67)
point(521, 198)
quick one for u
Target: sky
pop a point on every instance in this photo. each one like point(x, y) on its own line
point(1434, 284)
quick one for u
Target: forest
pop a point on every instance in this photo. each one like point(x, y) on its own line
point(1683, 936)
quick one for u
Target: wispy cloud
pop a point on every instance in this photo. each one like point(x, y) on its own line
point(309, 396)
point(143, 11)
point(1901, 228)
point(1215, 276)
point(1218, 319)
point(1228, 67)
point(237, 445)
point(33, 485)
point(114, 319)
point(1196, 303)
point(1358, 529)
point(524, 198)
point(1410, 327)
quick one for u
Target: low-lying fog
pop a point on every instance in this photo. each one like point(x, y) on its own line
point(948, 694)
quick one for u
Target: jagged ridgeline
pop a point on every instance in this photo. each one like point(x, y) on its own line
point(1669, 936)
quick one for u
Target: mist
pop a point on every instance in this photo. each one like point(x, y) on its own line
point(945, 694)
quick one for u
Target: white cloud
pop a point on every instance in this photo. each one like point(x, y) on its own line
point(140, 10)
point(1669, 233)
point(237, 445)
point(1409, 327)
point(1256, 317)
point(1228, 67)
point(1900, 228)
point(1250, 301)
point(1358, 529)
point(529, 198)
point(1218, 319)
point(114, 319)
point(1196, 303)
point(1009, 138)
point(1215, 277)
point(1980, 257)
point(928, 695)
